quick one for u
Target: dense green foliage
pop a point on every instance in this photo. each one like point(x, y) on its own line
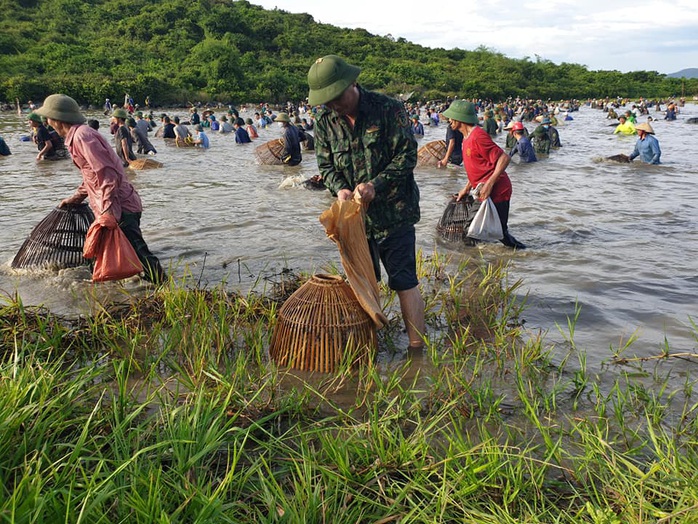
point(233, 51)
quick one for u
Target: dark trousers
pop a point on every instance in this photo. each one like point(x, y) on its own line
point(508, 240)
point(130, 224)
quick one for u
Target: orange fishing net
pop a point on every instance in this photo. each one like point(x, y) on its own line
point(344, 224)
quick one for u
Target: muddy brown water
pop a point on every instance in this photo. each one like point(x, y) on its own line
point(619, 240)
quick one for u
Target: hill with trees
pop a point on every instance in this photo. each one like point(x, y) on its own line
point(233, 51)
point(691, 72)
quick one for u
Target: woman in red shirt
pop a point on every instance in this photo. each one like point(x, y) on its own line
point(485, 163)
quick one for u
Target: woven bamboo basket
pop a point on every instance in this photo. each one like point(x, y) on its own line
point(269, 153)
point(455, 221)
point(173, 142)
point(320, 325)
point(57, 240)
point(431, 152)
point(145, 163)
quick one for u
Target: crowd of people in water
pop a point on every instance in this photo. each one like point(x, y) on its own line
point(132, 126)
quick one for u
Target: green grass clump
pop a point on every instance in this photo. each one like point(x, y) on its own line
point(168, 409)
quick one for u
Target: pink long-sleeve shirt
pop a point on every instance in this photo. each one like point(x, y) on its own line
point(103, 178)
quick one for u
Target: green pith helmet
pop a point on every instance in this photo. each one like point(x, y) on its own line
point(462, 111)
point(329, 77)
point(34, 117)
point(283, 117)
point(120, 113)
point(62, 108)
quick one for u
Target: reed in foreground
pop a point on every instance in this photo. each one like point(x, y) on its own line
point(169, 410)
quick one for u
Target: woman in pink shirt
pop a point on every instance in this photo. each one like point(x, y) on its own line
point(103, 179)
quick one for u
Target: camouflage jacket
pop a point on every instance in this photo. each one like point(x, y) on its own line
point(380, 149)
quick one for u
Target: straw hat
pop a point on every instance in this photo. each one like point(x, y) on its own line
point(645, 127)
point(509, 126)
point(329, 77)
point(62, 108)
point(462, 111)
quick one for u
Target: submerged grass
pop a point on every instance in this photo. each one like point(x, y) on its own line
point(169, 410)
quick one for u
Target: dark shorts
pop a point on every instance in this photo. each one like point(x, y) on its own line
point(397, 252)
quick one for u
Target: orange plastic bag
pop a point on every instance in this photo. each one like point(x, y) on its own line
point(114, 255)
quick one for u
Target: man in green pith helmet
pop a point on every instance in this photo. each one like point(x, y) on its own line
point(123, 142)
point(104, 180)
point(364, 145)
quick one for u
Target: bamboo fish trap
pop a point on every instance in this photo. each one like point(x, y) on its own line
point(319, 324)
point(173, 142)
point(431, 152)
point(456, 220)
point(57, 240)
point(270, 153)
point(145, 163)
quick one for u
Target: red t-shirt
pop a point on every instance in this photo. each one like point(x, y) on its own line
point(480, 155)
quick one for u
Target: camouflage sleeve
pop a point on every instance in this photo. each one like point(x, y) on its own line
point(334, 180)
point(400, 148)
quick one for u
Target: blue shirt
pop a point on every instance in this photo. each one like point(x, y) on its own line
point(647, 149)
point(204, 140)
point(242, 136)
point(525, 150)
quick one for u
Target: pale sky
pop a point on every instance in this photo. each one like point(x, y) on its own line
point(622, 35)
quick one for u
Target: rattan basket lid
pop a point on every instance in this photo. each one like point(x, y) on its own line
point(57, 240)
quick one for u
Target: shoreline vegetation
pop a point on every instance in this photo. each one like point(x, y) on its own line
point(167, 409)
point(178, 51)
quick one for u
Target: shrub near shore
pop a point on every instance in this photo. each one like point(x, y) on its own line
point(168, 410)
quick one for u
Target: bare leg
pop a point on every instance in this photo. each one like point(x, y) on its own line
point(412, 306)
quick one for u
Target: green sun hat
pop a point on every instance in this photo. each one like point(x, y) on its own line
point(120, 113)
point(462, 111)
point(34, 117)
point(283, 117)
point(329, 77)
point(62, 108)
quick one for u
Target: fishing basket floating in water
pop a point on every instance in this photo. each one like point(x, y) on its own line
point(145, 163)
point(173, 142)
point(431, 152)
point(270, 153)
point(455, 221)
point(57, 240)
point(321, 324)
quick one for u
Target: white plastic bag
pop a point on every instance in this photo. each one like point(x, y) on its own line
point(486, 224)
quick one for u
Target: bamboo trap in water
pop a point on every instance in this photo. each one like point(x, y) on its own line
point(270, 153)
point(145, 163)
point(455, 221)
point(319, 323)
point(57, 240)
point(431, 152)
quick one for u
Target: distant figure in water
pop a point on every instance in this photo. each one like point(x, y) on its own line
point(4, 149)
point(523, 145)
point(625, 127)
point(647, 146)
